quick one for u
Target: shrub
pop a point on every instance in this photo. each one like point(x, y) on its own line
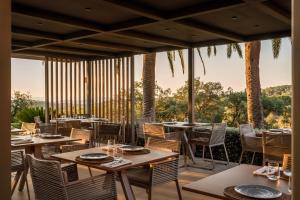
point(28, 114)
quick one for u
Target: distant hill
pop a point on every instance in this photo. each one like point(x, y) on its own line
point(282, 90)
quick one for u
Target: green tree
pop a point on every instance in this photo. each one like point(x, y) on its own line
point(19, 102)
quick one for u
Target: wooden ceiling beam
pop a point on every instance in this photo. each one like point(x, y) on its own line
point(138, 9)
point(271, 9)
point(42, 53)
point(35, 33)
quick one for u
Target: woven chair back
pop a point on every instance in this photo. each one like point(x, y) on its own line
point(83, 134)
point(47, 179)
point(249, 140)
point(218, 133)
point(275, 145)
point(154, 130)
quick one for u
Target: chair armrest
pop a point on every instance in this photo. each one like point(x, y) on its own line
point(96, 187)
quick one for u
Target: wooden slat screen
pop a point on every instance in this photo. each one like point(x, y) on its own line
point(109, 90)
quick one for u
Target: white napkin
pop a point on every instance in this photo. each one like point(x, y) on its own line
point(22, 141)
point(261, 171)
point(117, 163)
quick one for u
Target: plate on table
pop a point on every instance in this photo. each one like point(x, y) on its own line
point(132, 148)
point(50, 136)
point(276, 130)
point(169, 123)
point(94, 156)
point(258, 191)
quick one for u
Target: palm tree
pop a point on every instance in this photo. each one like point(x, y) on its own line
point(149, 79)
point(253, 87)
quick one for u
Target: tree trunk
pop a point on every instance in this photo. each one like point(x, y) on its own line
point(149, 86)
point(253, 90)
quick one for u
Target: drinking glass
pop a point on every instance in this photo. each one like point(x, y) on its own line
point(287, 169)
point(273, 172)
point(37, 131)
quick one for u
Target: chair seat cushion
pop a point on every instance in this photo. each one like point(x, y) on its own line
point(139, 175)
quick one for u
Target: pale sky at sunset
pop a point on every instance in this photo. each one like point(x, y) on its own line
point(28, 75)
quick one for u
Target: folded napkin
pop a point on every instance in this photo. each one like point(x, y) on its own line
point(261, 171)
point(117, 163)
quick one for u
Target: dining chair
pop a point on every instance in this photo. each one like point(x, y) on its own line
point(162, 172)
point(50, 183)
point(66, 127)
point(140, 136)
point(250, 142)
point(275, 145)
point(211, 138)
point(29, 128)
point(18, 166)
point(104, 132)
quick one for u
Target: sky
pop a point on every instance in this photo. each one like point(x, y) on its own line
point(28, 75)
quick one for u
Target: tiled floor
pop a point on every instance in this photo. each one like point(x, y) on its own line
point(163, 192)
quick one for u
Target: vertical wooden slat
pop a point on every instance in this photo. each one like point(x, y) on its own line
point(56, 87)
point(103, 88)
point(51, 85)
point(119, 90)
point(61, 87)
point(127, 93)
point(116, 93)
point(106, 99)
point(79, 86)
point(123, 87)
point(71, 87)
point(96, 88)
point(132, 98)
point(99, 82)
point(46, 90)
point(66, 87)
point(83, 87)
point(92, 87)
point(75, 87)
point(111, 89)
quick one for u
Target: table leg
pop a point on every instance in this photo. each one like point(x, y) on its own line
point(28, 150)
point(188, 148)
point(129, 195)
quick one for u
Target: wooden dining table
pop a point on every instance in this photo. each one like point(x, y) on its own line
point(136, 161)
point(214, 185)
point(35, 146)
point(188, 152)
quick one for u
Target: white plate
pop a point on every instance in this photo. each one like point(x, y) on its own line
point(258, 191)
point(131, 148)
point(94, 156)
point(50, 136)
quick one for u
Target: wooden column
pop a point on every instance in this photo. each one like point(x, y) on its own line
point(88, 88)
point(191, 76)
point(5, 77)
point(46, 90)
point(132, 102)
point(296, 97)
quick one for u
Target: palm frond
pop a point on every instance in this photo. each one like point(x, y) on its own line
point(276, 45)
point(209, 51)
point(170, 58)
point(238, 49)
point(229, 50)
point(215, 50)
point(180, 52)
point(199, 52)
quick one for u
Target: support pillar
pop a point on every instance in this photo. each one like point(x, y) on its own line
point(296, 97)
point(132, 102)
point(191, 77)
point(5, 96)
point(88, 89)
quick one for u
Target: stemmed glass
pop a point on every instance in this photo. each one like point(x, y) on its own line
point(287, 169)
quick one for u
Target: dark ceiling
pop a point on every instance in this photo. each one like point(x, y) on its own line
point(111, 28)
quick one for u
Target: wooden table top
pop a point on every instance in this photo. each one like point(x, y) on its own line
point(137, 160)
point(43, 141)
point(16, 130)
point(214, 185)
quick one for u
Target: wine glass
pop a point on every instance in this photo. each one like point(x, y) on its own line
point(287, 169)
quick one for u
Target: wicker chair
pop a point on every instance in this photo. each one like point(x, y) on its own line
point(249, 141)
point(50, 183)
point(140, 129)
point(18, 166)
point(159, 172)
point(48, 128)
point(67, 126)
point(29, 128)
point(105, 132)
point(211, 138)
point(275, 145)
